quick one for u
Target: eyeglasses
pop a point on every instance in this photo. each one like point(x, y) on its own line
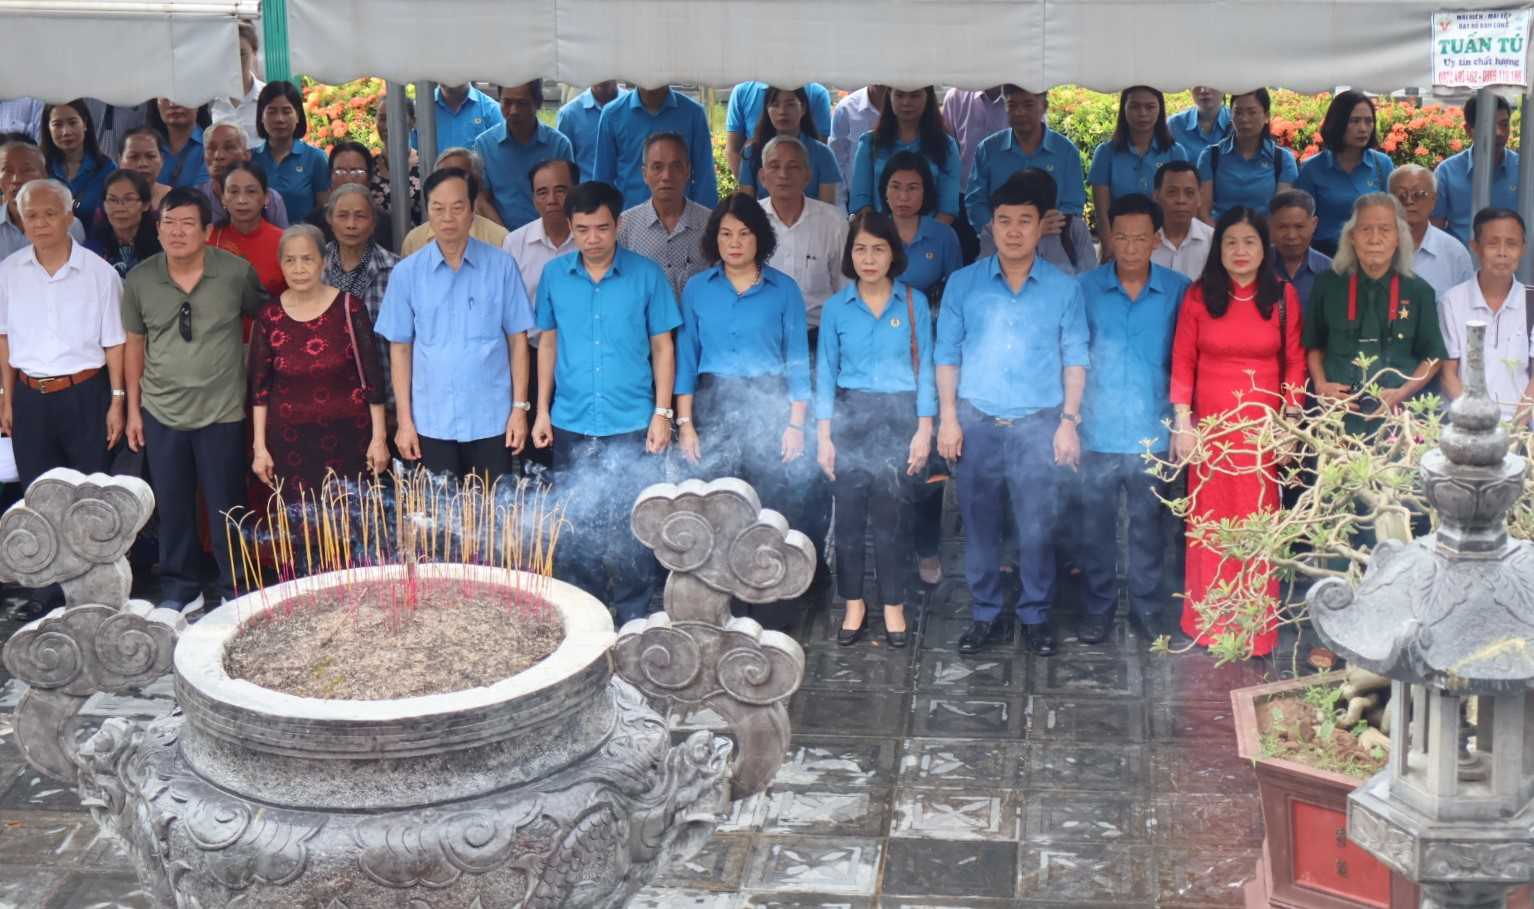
point(351, 171)
point(1416, 195)
point(185, 320)
point(123, 200)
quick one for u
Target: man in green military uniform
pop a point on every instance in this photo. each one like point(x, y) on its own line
point(1370, 305)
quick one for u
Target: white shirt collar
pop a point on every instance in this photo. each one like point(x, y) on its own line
point(1432, 242)
point(1198, 232)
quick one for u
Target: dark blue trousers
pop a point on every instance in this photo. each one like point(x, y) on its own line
point(215, 459)
point(1103, 476)
point(1009, 460)
point(601, 476)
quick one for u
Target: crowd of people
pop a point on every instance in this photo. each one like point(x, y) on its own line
point(905, 292)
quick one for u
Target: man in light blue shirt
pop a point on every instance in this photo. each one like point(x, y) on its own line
point(745, 112)
point(1027, 143)
point(511, 149)
point(1439, 259)
point(628, 122)
point(606, 371)
point(1453, 210)
point(578, 120)
point(1204, 124)
point(456, 315)
point(1011, 360)
point(1131, 308)
point(463, 112)
point(20, 164)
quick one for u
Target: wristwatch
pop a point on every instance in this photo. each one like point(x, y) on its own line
point(666, 412)
point(119, 393)
point(683, 421)
point(1074, 418)
point(522, 405)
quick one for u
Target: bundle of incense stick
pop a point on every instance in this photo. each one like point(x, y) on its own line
point(404, 519)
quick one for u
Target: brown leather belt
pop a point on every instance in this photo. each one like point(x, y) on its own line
point(51, 384)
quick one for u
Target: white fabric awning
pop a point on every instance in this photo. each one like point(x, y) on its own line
point(1306, 45)
point(121, 51)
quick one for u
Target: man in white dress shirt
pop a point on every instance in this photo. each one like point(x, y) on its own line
point(1493, 296)
point(810, 233)
point(61, 343)
point(1183, 242)
point(1440, 260)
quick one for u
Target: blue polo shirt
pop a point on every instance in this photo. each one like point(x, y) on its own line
point(1129, 386)
point(998, 156)
point(932, 255)
point(89, 186)
point(758, 333)
point(868, 162)
point(604, 383)
point(303, 174)
point(459, 129)
point(1126, 171)
point(1335, 190)
point(1454, 190)
point(861, 351)
point(622, 130)
point(1186, 132)
point(748, 98)
point(507, 164)
point(577, 121)
point(1010, 347)
point(1239, 180)
point(1304, 278)
point(456, 323)
point(189, 168)
point(823, 169)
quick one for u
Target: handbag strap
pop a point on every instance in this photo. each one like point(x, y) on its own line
point(910, 319)
point(351, 335)
point(1283, 341)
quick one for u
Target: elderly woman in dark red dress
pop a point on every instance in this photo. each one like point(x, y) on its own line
point(316, 384)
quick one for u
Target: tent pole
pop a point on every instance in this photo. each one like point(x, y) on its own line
point(1526, 197)
point(399, 161)
point(1485, 146)
point(274, 27)
point(426, 124)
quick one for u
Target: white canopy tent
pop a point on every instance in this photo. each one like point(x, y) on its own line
point(121, 51)
point(1306, 45)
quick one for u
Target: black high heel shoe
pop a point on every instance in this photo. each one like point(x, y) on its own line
point(846, 637)
point(897, 639)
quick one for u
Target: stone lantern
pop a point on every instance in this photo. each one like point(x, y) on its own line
point(1450, 617)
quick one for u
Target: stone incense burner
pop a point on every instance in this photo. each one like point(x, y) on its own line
point(558, 786)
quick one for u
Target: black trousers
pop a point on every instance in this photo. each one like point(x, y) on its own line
point(599, 477)
point(872, 435)
point(181, 461)
point(1103, 476)
point(66, 428)
point(482, 456)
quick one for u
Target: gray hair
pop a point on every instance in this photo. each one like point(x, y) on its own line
point(349, 189)
point(57, 187)
point(28, 147)
point(232, 124)
point(1293, 198)
point(308, 231)
point(1346, 260)
point(782, 139)
point(458, 151)
point(1412, 170)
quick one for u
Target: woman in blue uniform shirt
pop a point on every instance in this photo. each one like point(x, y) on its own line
point(875, 400)
point(1351, 165)
point(931, 247)
point(910, 121)
point(1141, 143)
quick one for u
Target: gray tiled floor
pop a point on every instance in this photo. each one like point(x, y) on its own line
point(916, 779)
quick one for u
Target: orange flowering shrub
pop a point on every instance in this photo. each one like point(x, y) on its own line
point(346, 111)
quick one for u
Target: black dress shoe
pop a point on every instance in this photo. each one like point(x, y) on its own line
point(1040, 638)
point(974, 639)
point(897, 639)
point(849, 636)
point(27, 610)
point(1147, 629)
point(1094, 629)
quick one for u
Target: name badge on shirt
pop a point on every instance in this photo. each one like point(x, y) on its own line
point(299, 168)
point(931, 254)
point(894, 323)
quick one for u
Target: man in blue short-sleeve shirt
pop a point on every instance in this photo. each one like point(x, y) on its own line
point(1011, 360)
point(1131, 308)
point(578, 120)
point(511, 149)
point(1027, 143)
point(462, 112)
point(606, 372)
point(1204, 124)
point(628, 122)
point(456, 315)
point(1453, 211)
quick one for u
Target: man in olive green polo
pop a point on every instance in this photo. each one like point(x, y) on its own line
point(185, 366)
point(1370, 304)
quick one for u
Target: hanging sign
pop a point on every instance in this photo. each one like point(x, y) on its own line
point(1478, 49)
